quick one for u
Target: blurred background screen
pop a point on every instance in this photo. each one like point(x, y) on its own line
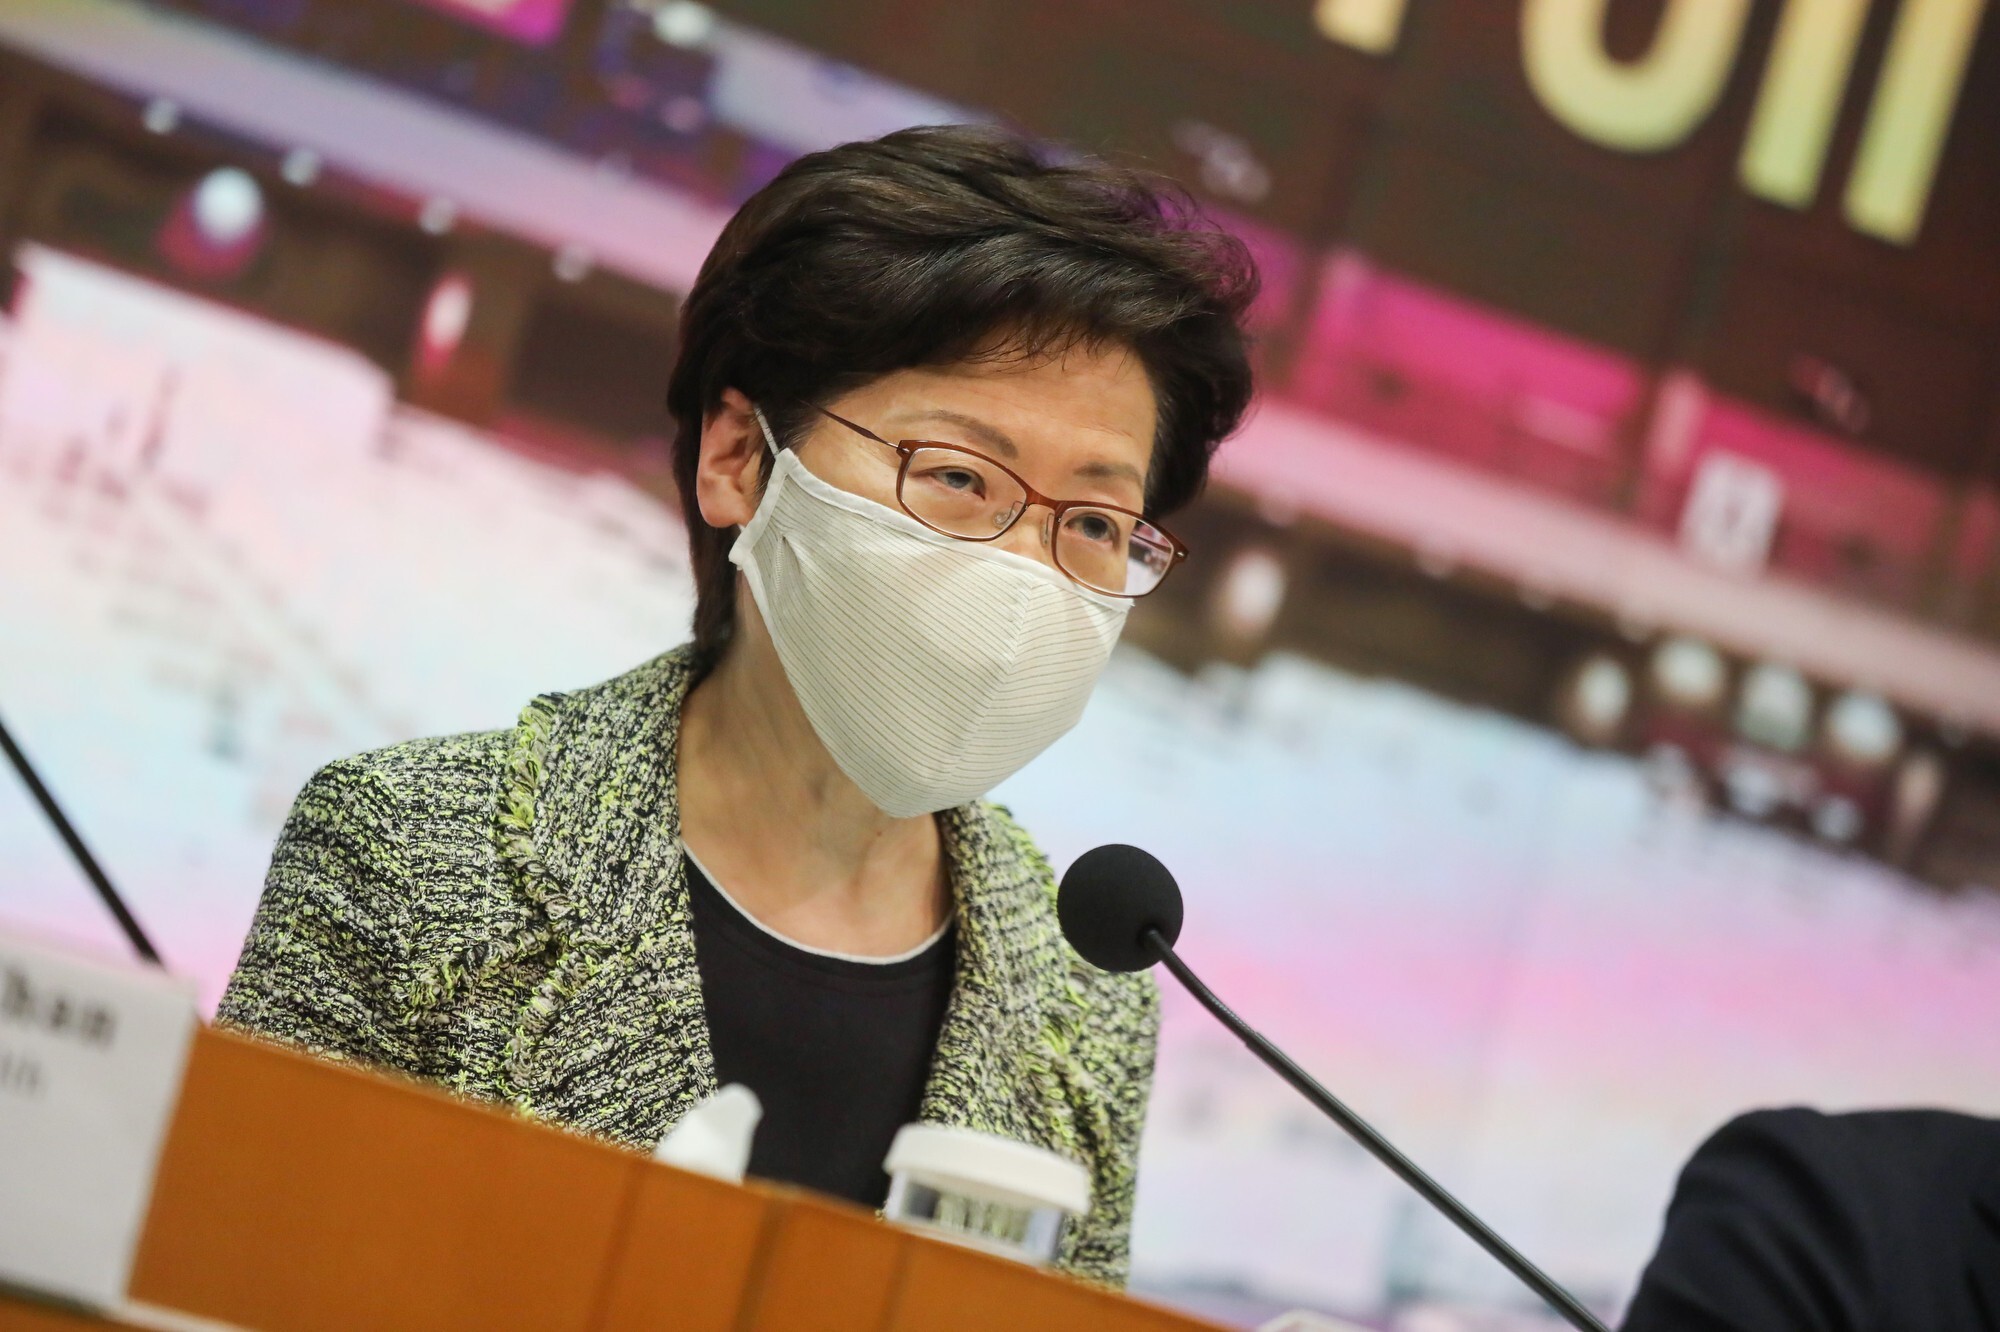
point(1580, 720)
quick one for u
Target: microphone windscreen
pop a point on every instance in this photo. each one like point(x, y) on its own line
point(1109, 898)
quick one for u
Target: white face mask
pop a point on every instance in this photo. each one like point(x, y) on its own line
point(931, 668)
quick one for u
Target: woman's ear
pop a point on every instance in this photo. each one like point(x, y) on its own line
point(729, 476)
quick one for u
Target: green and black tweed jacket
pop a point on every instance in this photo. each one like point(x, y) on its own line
point(506, 914)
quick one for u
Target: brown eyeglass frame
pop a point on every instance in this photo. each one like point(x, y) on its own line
point(907, 449)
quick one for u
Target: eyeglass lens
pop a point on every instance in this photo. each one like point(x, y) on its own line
point(966, 495)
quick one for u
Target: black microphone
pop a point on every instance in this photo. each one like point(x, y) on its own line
point(1121, 910)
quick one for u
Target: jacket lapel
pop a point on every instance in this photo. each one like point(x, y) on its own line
point(614, 1040)
point(992, 1062)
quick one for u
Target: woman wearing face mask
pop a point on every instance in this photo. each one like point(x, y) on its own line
point(934, 397)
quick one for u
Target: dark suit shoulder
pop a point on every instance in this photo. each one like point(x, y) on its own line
point(1797, 1220)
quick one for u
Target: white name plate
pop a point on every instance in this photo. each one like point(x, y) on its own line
point(91, 1057)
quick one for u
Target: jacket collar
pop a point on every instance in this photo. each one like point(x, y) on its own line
point(605, 805)
point(994, 1047)
point(615, 1038)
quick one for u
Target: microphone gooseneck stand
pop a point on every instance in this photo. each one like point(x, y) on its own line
point(78, 851)
point(1358, 1128)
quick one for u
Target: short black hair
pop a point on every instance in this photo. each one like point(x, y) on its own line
point(922, 248)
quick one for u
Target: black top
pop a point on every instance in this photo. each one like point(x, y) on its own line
point(837, 1049)
point(1795, 1221)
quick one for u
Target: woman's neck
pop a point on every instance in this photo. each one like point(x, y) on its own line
point(787, 833)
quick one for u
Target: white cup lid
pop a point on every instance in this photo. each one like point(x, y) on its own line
point(983, 1164)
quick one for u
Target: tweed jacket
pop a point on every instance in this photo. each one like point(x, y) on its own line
point(506, 914)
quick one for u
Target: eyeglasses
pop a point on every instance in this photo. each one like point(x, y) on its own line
point(965, 494)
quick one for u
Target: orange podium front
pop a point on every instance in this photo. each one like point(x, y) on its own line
point(295, 1195)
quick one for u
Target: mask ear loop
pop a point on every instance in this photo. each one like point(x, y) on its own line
point(770, 440)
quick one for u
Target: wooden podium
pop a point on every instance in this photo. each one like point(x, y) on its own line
point(295, 1195)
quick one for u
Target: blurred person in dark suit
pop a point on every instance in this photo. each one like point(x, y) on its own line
point(1797, 1221)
